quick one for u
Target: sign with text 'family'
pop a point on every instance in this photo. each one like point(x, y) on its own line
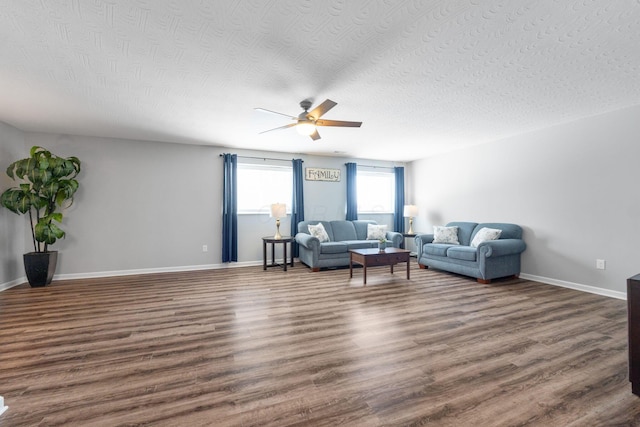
point(318, 174)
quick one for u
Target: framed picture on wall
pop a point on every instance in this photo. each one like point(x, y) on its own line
point(320, 174)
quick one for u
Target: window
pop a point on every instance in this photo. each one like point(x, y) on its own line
point(259, 186)
point(376, 191)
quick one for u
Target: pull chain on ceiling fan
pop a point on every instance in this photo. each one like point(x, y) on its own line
point(307, 121)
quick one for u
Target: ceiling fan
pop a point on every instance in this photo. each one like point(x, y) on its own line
point(307, 121)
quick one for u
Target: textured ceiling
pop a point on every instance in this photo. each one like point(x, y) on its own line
point(423, 76)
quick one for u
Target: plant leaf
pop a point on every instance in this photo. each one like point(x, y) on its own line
point(16, 200)
point(50, 189)
point(48, 232)
point(9, 200)
point(56, 216)
point(35, 149)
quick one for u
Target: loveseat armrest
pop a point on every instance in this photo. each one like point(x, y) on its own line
point(395, 238)
point(420, 240)
point(308, 241)
point(501, 247)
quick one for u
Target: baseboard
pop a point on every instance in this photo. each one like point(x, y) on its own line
point(93, 275)
point(11, 284)
point(176, 269)
point(576, 286)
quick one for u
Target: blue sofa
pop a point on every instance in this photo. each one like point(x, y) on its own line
point(489, 260)
point(343, 235)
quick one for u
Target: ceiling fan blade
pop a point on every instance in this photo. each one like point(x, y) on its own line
point(321, 109)
point(275, 112)
point(338, 123)
point(315, 135)
point(281, 127)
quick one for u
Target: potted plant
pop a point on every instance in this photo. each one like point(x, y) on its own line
point(382, 244)
point(47, 185)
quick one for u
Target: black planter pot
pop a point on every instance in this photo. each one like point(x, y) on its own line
point(40, 267)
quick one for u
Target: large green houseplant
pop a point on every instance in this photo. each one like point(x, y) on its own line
point(46, 187)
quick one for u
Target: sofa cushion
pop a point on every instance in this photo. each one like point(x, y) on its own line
point(319, 232)
point(465, 253)
point(509, 231)
point(436, 249)
point(484, 235)
point(448, 235)
point(333, 248)
point(303, 227)
point(343, 230)
point(360, 244)
point(465, 231)
point(376, 232)
point(361, 228)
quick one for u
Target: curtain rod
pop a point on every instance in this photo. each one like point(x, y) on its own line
point(371, 166)
point(261, 158)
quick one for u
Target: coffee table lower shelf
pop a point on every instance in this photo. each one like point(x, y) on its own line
point(373, 257)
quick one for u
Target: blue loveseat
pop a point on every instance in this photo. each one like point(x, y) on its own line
point(343, 235)
point(489, 260)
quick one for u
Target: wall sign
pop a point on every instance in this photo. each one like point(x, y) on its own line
point(319, 174)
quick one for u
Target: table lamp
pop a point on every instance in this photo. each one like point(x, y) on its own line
point(410, 211)
point(278, 210)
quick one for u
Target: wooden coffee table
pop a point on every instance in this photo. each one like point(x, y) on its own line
point(372, 257)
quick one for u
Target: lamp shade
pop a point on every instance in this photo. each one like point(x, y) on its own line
point(410, 211)
point(278, 210)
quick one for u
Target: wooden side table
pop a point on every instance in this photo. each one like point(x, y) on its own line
point(284, 240)
point(405, 235)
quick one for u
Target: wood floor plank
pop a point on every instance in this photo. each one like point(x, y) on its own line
point(247, 347)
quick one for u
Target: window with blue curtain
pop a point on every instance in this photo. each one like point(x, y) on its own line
point(352, 193)
point(297, 202)
point(230, 208)
point(398, 218)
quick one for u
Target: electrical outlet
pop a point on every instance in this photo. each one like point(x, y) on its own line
point(600, 264)
point(204, 248)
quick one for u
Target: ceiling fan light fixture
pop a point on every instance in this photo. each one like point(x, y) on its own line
point(307, 122)
point(306, 127)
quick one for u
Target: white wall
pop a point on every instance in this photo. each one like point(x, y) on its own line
point(12, 227)
point(149, 206)
point(573, 188)
point(140, 205)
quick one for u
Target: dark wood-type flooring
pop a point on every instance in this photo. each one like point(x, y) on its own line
point(247, 347)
